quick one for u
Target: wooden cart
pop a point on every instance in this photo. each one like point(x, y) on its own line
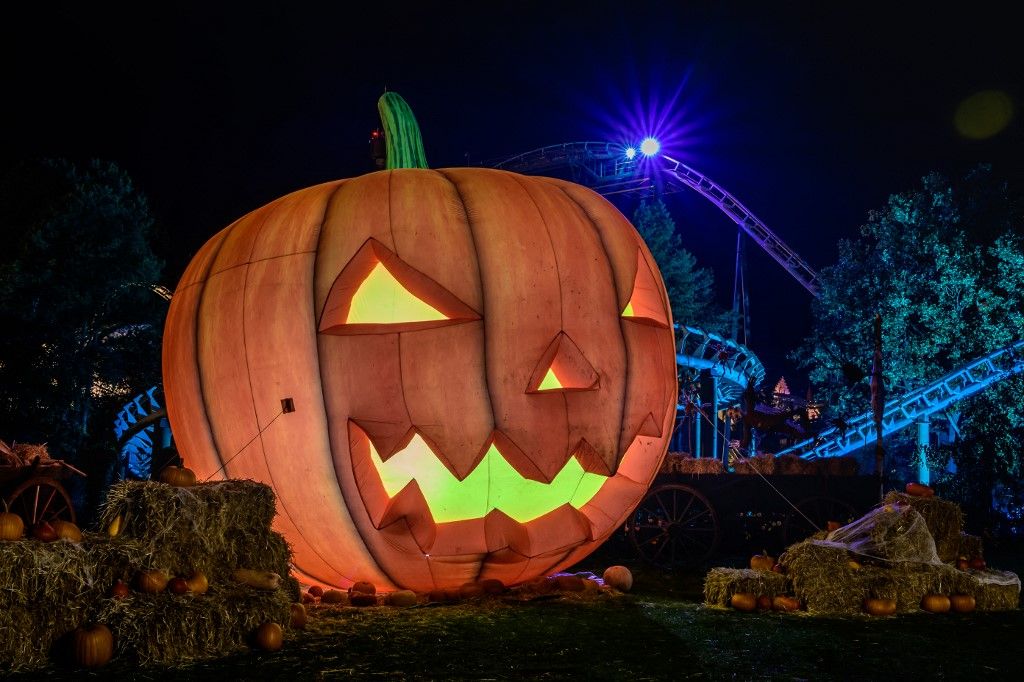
point(34, 491)
point(685, 519)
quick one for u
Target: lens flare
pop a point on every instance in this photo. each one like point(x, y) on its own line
point(650, 146)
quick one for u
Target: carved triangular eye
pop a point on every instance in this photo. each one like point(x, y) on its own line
point(378, 293)
point(645, 303)
point(562, 367)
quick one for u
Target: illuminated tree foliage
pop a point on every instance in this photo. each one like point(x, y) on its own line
point(81, 330)
point(944, 266)
point(690, 289)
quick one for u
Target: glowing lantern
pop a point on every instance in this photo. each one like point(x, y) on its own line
point(446, 376)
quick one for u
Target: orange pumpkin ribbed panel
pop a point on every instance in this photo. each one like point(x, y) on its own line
point(182, 388)
point(618, 235)
point(443, 370)
point(522, 311)
point(296, 220)
point(590, 319)
point(281, 350)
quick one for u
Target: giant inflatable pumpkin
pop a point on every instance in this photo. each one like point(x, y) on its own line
point(445, 375)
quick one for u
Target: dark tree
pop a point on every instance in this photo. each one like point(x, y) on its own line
point(81, 328)
point(690, 289)
point(944, 266)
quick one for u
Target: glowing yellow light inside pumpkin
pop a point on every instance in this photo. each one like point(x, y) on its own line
point(550, 382)
point(493, 484)
point(381, 299)
point(628, 312)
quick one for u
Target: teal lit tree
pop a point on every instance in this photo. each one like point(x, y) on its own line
point(943, 265)
point(690, 289)
point(81, 328)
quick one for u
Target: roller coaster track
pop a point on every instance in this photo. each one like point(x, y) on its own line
point(604, 167)
point(732, 364)
point(746, 220)
point(907, 409)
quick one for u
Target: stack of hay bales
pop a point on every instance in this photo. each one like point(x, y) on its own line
point(901, 551)
point(49, 589)
point(684, 463)
point(758, 464)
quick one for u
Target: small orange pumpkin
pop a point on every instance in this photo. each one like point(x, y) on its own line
point(784, 603)
point(93, 645)
point(298, 616)
point(619, 577)
point(935, 603)
point(151, 582)
point(743, 601)
point(179, 477)
point(962, 603)
point(363, 586)
point(198, 584)
point(764, 603)
point(44, 532)
point(880, 607)
point(11, 526)
point(67, 530)
point(334, 597)
point(402, 598)
point(762, 561)
point(362, 599)
point(269, 637)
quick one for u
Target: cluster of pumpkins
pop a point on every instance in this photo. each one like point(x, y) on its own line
point(363, 593)
point(93, 644)
point(875, 606)
point(12, 528)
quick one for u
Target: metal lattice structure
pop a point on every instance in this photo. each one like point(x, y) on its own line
point(746, 221)
point(604, 167)
point(732, 364)
point(917, 405)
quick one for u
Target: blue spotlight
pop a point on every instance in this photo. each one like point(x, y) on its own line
point(630, 153)
point(650, 146)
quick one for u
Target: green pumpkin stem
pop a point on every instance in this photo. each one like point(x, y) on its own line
point(401, 133)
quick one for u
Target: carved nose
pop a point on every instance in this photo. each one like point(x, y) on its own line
point(563, 367)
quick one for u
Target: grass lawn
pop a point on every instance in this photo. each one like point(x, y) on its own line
point(660, 631)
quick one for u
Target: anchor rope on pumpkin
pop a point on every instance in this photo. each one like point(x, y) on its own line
point(243, 448)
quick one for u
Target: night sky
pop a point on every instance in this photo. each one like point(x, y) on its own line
point(809, 115)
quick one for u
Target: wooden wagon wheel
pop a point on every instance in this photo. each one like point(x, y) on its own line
point(41, 499)
point(819, 509)
point(674, 526)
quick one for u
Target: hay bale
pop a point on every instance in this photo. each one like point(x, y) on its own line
point(211, 527)
point(721, 583)
point(945, 521)
point(28, 452)
point(31, 570)
point(793, 465)
point(699, 465)
point(49, 589)
point(763, 464)
point(970, 546)
point(175, 630)
point(825, 580)
point(993, 590)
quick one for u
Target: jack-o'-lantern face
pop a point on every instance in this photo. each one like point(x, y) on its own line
point(481, 364)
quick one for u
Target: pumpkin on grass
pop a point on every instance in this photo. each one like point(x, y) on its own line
point(935, 603)
point(618, 577)
point(479, 367)
point(298, 616)
point(269, 637)
point(962, 603)
point(743, 601)
point(880, 607)
point(92, 645)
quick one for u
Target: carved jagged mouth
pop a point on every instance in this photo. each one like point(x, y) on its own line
point(493, 484)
